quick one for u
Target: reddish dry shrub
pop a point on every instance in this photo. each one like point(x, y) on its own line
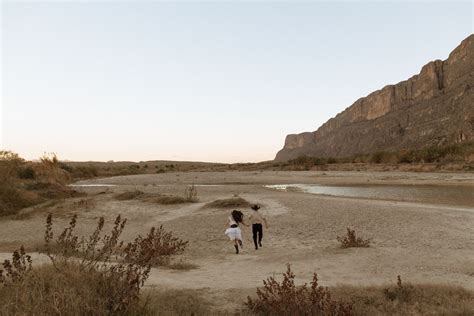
point(94, 254)
point(286, 298)
point(15, 270)
point(155, 248)
point(95, 251)
point(351, 240)
point(88, 276)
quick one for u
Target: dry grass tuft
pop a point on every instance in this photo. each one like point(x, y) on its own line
point(72, 291)
point(129, 195)
point(168, 200)
point(181, 265)
point(174, 302)
point(233, 202)
point(408, 299)
point(190, 196)
point(84, 204)
point(352, 241)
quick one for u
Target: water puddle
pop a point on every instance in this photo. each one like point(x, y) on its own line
point(446, 195)
point(158, 185)
point(92, 185)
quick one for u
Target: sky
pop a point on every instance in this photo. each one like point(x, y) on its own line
point(202, 81)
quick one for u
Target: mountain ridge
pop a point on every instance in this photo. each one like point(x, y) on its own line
point(434, 107)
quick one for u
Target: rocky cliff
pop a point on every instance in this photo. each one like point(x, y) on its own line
point(435, 107)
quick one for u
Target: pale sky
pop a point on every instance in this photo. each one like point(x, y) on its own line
point(202, 81)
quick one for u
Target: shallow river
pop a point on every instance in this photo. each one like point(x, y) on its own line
point(446, 195)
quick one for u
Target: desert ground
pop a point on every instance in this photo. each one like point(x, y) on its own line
point(423, 241)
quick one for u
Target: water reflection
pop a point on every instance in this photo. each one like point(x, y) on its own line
point(449, 195)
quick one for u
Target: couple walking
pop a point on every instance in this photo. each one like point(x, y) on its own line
point(235, 234)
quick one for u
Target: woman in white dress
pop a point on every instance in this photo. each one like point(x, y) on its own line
point(233, 231)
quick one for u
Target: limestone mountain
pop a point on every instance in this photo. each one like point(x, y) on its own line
point(435, 107)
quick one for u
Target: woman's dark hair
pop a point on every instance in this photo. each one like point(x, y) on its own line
point(237, 216)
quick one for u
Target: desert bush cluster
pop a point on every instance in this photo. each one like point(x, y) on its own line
point(286, 298)
point(87, 170)
point(155, 248)
point(431, 154)
point(23, 184)
point(350, 240)
point(129, 195)
point(94, 275)
point(190, 196)
point(407, 299)
point(233, 202)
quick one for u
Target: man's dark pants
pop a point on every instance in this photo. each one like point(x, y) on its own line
point(257, 229)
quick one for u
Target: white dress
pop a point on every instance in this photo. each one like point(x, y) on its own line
point(233, 232)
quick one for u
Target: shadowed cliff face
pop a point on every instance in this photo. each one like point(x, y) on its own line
point(435, 107)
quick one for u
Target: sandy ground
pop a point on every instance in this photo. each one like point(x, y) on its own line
point(422, 242)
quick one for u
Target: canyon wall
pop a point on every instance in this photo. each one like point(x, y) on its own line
point(435, 107)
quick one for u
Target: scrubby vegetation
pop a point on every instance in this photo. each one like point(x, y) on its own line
point(350, 240)
point(129, 195)
point(232, 202)
point(87, 170)
point(286, 298)
point(96, 275)
point(181, 265)
point(433, 154)
point(23, 184)
point(175, 302)
point(438, 156)
point(168, 199)
point(407, 299)
point(190, 196)
point(155, 248)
